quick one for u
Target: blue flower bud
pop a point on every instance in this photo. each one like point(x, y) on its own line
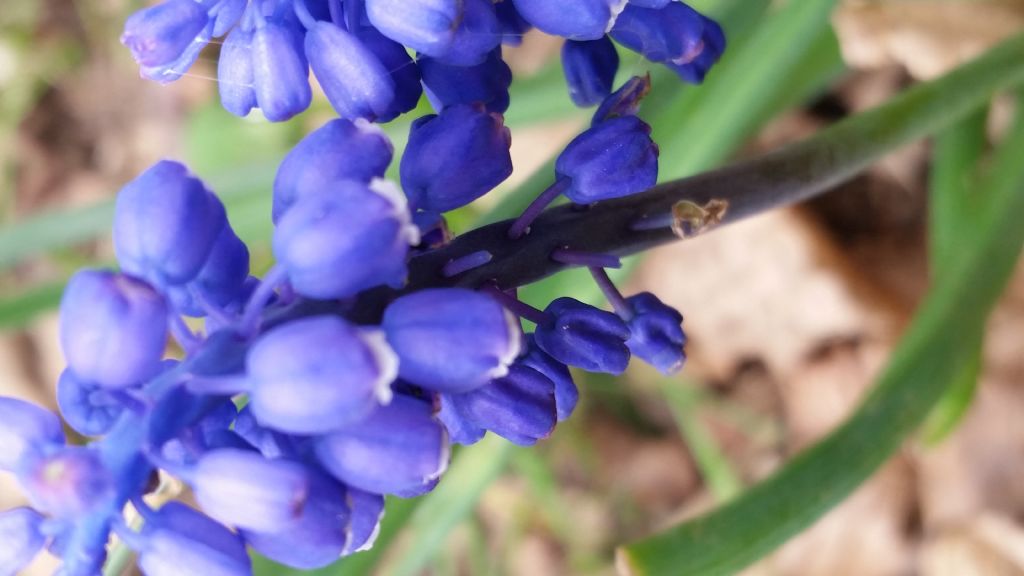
point(21, 537)
point(455, 157)
point(403, 71)
point(461, 428)
point(478, 34)
point(318, 537)
point(179, 540)
point(519, 406)
point(160, 34)
point(280, 71)
point(226, 14)
point(580, 335)
point(89, 409)
point(246, 490)
point(566, 394)
point(451, 339)
point(338, 150)
point(365, 513)
point(220, 281)
point(270, 443)
point(625, 101)
point(113, 328)
point(486, 83)
point(165, 224)
point(512, 25)
point(426, 26)
point(235, 77)
point(612, 159)
point(590, 68)
point(26, 431)
point(67, 483)
point(574, 19)
point(339, 243)
point(713, 40)
point(657, 333)
point(671, 34)
point(355, 81)
point(317, 374)
point(398, 449)
point(175, 69)
point(650, 3)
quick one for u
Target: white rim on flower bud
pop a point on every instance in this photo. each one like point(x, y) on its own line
point(616, 10)
point(364, 126)
point(514, 348)
point(386, 360)
point(347, 548)
point(389, 191)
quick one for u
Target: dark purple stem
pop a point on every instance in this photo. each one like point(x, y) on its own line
point(589, 259)
point(517, 306)
point(522, 224)
point(611, 293)
point(466, 263)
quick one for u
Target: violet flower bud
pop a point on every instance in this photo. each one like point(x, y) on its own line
point(614, 158)
point(280, 70)
point(26, 431)
point(403, 71)
point(399, 449)
point(165, 224)
point(590, 68)
point(235, 75)
point(623, 102)
point(477, 34)
point(649, 3)
point(455, 157)
point(179, 540)
point(220, 281)
point(246, 490)
point(89, 409)
point(365, 513)
point(113, 328)
point(580, 335)
point(67, 483)
point(656, 333)
point(160, 34)
point(714, 44)
point(426, 26)
point(338, 150)
point(671, 34)
point(355, 81)
point(22, 539)
point(486, 83)
point(314, 375)
point(341, 242)
point(451, 339)
point(573, 19)
point(566, 394)
point(227, 13)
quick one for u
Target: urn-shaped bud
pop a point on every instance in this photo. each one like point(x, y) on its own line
point(399, 449)
point(365, 512)
point(179, 540)
point(451, 339)
point(113, 328)
point(403, 71)
point(355, 81)
point(22, 538)
point(590, 67)
point(426, 26)
point(235, 75)
point(455, 157)
point(280, 70)
point(649, 3)
point(477, 34)
point(67, 483)
point(246, 490)
point(160, 34)
point(26, 431)
point(574, 19)
point(226, 15)
point(580, 335)
point(165, 224)
point(486, 83)
point(336, 244)
point(566, 394)
point(656, 333)
point(220, 282)
point(713, 40)
point(338, 150)
point(614, 158)
point(670, 34)
point(316, 374)
point(89, 409)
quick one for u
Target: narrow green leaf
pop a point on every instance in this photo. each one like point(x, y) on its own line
point(717, 471)
point(16, 311)
point(929, 357)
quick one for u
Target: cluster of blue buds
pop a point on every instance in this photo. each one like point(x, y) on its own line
point(310, 393)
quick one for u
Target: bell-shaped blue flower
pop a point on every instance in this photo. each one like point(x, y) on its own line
point(566, 394)
point(220, 281)
point(713, 40)
point(573, 19)
point(403, 71)
point(319, 535)
point(179, 540)
point(338, 150)
point(280, 70)
point(671, 34)
point(365, 512)
point(161, 34)
point(67, 483)
point(455, 157)
point(21, 537)
point(451, 339)
point(462, 429)
point(519, 407)
point(590, 68)
point(477, 34)
point(512, 25)
point(486, 83)
point(226, 13)
point(26, 431)
point(317, 374)
point(657, 333)
point(399, 449)
point(165, 224)
point(614, 158)
point(235, 75)
point(355, 81)
point(113, 328)
point(426, 26)
point(580, 335)
point(89, 409)
point(341, 242)
point(246, 490)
